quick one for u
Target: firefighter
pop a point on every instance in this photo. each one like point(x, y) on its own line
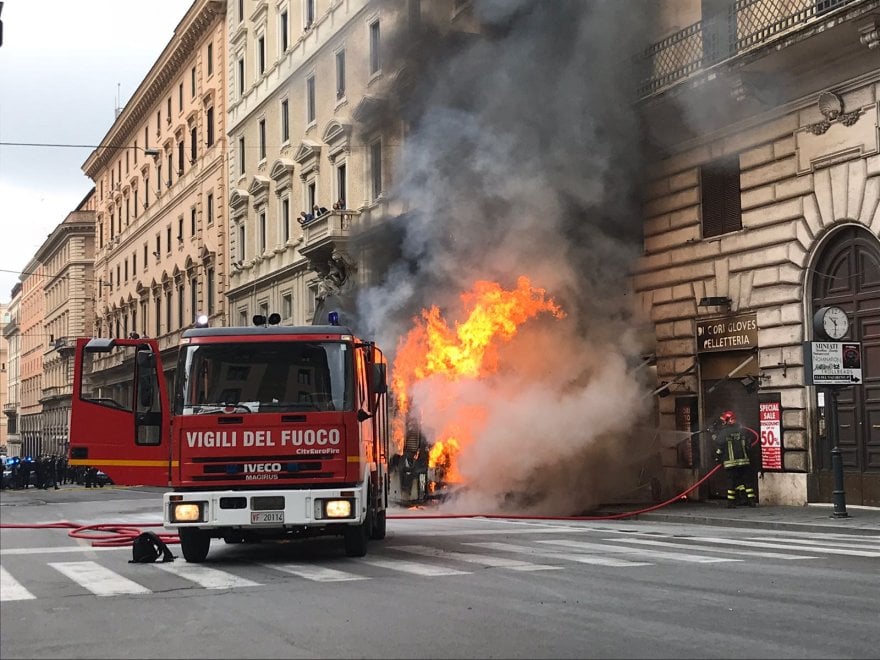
point(732, 451)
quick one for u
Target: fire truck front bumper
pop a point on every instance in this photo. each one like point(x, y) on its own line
point(264, 509)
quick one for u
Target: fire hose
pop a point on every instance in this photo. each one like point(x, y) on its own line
point(122, 534)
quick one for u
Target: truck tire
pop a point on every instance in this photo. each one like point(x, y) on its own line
point(355, 537)
point(378, 525)
point(194, 543)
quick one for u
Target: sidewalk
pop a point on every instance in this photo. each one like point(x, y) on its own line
point(860, 520)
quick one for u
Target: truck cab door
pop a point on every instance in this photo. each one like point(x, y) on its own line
point(120, 417)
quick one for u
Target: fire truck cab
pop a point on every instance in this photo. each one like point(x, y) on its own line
point(267, 432)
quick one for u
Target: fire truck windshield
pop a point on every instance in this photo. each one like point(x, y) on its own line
point(264, 377)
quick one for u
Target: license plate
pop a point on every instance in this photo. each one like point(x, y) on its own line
point(258, 517)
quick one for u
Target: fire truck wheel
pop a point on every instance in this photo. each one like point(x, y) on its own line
point(195, 544)
point(378, 526)
point(355, 538)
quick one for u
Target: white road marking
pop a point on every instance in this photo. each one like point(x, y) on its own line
point(675, 556)
point(11, 589)
point(669, 544)
point(97, 579)
point(314, 572)
point(473, 558)
point(566, 556)
point(412, 567)
point(209, 578)
point(785, 546)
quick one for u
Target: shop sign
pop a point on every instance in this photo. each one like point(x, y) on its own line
point(832, 363)
point(732, 333)
point(770, 407)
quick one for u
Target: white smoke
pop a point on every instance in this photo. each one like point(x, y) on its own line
point(524, 159)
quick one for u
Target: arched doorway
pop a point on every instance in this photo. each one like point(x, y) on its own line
point(847, 274)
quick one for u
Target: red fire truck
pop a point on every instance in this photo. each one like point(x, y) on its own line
point(267, 432)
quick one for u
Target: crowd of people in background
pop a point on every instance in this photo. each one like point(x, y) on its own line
point(47, 472)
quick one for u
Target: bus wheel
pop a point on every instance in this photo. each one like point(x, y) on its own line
point(194, 543)
point(378, 525)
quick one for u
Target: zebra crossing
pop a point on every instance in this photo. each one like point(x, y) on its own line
point(105, 574)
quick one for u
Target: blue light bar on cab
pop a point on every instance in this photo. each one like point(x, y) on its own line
point(333, 318)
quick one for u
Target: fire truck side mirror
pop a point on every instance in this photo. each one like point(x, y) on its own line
point(145, 365)
point(380, 383)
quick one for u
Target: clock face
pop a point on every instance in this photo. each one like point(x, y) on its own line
point(835, 323)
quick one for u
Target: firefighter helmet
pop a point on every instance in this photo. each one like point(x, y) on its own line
point(728, 417)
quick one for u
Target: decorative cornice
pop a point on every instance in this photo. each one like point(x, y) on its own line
point(180, 48)
point(869, 32)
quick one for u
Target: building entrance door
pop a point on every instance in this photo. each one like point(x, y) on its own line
point(847, 274)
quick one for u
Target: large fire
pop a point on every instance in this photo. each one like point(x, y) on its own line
point(433, 350)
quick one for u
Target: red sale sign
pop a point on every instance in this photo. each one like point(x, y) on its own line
point(771, 435)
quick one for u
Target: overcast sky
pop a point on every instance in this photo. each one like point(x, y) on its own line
point(64, 66)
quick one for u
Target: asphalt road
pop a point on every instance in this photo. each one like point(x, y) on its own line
point(452, 588)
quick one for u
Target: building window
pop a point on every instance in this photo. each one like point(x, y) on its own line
point(168, 234)
point(240, 15)
point(192, 221)
point(168, 111)
point(193, 298)
point(134, 264)
point(241, 251)
point(209, 283)
point(262, 223)
point(194, 142)
point(721, 200)
point(193, 83)
point(242, 316)
point(287, 305)
point(374, 48)
point(340, 74)
point(241, 76)
point(376, 168)
point(169, 306)
point(209, 121)
point(180, 158)
point(261, 54)
point(285, 121)
point(241, 155)
point(308, 13)
point(210, 59)
point(311, 197)
point(310, 99)
point(262, 131)
point(170, 168)
point(158, 305)
point(285, 219)
point(210, 208)
point(180, 306)
point(282, 31)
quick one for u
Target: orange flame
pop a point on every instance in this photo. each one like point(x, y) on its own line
point(470, 350)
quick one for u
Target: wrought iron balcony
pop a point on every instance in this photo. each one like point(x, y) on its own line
point(747, 25)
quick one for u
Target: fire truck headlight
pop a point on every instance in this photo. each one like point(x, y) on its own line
point(187, 512)
point(333, 509)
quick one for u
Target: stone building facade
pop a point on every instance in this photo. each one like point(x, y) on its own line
point(68, 259)
point(161, 192)
point(763, 208)
point(12, 400)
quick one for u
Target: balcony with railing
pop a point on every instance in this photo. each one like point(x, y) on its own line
point(746, 27)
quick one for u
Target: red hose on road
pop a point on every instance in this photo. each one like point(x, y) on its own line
point(121, 534)
point(102, 535)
